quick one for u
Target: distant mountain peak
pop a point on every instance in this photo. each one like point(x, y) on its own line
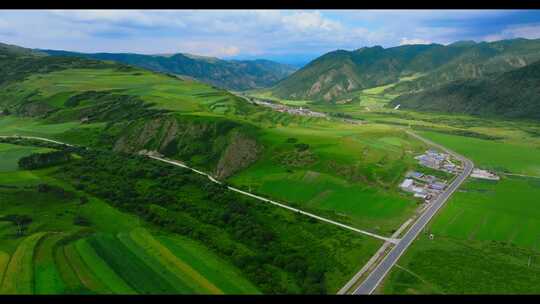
point(463, 43)
point(340, 73)
point(230, 74)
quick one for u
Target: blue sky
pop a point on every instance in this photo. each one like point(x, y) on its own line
point(284, 35)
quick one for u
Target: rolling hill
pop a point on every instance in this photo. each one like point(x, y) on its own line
point(118, 111)
point(229, 74)
point(513, 94)
point(340, 72)
point(107, 220)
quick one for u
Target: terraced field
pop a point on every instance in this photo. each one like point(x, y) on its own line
point(19, 273)
point(134, 262)
point(56, 257)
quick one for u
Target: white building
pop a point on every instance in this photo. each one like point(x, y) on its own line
point(406, 184)
point(484, 174)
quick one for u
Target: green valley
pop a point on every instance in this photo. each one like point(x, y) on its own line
point(407, 169)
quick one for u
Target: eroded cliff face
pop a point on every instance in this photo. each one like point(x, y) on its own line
point(241, 152)
point(219, 146)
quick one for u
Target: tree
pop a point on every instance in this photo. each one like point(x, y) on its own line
point(83, 200)
point(22, 222)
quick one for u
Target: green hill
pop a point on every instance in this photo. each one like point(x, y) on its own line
point(513, 94)
point(194, 226)
point(230, 74)
point(340, 72)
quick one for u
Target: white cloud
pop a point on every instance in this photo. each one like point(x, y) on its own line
point(406, 40)
point(228, 51)
point(310, 21)
point(241, 32)
point(126, 17)
point(529, 31)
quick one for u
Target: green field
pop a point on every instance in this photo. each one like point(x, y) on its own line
point(10, 154)
point(488, 231)
point(349, 174)
point(506, 211)
point(50, 261)
point(502, 156)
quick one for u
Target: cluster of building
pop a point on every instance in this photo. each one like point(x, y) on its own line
point(425, 187)
point(286, 109)
point(428, 187)
point(438, 161)
point(484, 174)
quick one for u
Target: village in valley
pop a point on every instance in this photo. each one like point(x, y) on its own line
point(428, 187)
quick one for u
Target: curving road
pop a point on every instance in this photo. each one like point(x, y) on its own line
point(382, 269)
point(176, 163)
point(36, 138)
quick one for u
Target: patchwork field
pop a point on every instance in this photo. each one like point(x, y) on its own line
point(55, 256)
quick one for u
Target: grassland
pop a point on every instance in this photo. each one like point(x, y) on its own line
point(502, 156)
point(349, 173)
point(10, 154)
point(165, 92)
point(344, 171)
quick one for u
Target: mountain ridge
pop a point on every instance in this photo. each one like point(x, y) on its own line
point(230, 74)
point(341, 72)
point(513, 94)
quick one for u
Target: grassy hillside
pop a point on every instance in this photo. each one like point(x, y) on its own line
point(230, 74)
point(211, 129)
point(332, 76)
point(513, 94)
point(343, 171)
point(111, 223)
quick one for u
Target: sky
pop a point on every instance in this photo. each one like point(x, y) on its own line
point(288, 36)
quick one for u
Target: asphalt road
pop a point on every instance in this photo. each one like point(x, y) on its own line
point(378, 274)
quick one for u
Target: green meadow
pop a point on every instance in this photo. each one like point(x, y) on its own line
point(10, 154)
point(501, 156)
point(350, 173)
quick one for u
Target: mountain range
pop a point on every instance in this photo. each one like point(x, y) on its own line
point(513, 94)
point(230, 74)
point(341, 72)
point(488, 78)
